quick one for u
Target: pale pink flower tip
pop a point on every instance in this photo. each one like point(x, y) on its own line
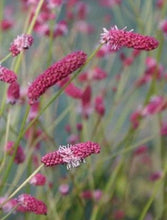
point(116, 38)
point(28, 203)
point(71, 155)
point(7, 75)
point(38, 180)
point(21, 43)
point(55, 73)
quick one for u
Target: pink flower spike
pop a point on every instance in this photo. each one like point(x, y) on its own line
point(13, 93)
point(55, 73)
point(28, 203)
point(7, 75)
point(71, 155)
point(38, 180)
point(21, 43)
point(116, 39)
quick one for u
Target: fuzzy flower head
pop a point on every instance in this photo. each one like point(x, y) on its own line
point(22, 42)
point(71, 155)
point(116, 39)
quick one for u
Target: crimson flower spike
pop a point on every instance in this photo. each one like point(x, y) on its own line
point(55, 73)
point(115, 39)
point(71, 155)
point(7, 75)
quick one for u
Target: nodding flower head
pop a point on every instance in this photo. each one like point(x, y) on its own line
point(21, 43)
point(71, 155)
point(116, 38)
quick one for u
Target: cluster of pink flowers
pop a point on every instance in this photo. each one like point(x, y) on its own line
point(153, 69)
point(155, 105)
point(72, 155)
point(115, 39)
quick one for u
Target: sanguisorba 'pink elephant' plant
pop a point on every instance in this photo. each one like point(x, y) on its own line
point(61, 73)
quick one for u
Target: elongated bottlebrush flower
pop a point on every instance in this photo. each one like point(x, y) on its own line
point(28, 203)
point(21, 43)
point(71, 155)
point(55, 73)
point(7, 75)
point(115, 39)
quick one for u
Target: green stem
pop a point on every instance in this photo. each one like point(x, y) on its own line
point(7, 171)
point(5, 58)
point(35, 17)
point(6, 140)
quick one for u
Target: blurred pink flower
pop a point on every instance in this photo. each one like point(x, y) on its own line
point(140, 150)
point(64, 189)
point(54, 3)
point(6, 24)
point(135, 117)
point(19, 156)
point(99, 105)
point(110, 3)
point(155, 105)
point(73, 139)
point(82, 10)
point(155, 176)
point(71, 90)
point(38, 180)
